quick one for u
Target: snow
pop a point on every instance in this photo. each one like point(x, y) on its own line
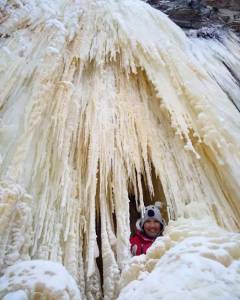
point(27, 279)
point(193, 260)
point(18, 295)
point(96, 98)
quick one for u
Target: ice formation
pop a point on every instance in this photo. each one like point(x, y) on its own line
point(38, 279)
point(194, 260)
point(95, 98)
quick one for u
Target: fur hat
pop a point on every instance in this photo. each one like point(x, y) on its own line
point(151, 212)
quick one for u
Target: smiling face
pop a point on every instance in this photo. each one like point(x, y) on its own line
point(152, 227)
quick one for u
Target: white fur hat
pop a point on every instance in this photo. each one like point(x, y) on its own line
point(150, 212)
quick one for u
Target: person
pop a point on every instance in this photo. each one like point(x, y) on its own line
point(148, 229)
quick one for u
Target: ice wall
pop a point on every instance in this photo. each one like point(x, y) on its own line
point(94, 95)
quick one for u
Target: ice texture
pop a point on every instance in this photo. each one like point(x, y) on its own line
point(95, 98)
point(38, 279)
point(193, 260)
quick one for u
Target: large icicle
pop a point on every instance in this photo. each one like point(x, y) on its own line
point(91, 101)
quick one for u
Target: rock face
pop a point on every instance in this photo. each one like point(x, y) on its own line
point(195, 14)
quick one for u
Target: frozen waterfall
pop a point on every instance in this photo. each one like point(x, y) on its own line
point(102, 99)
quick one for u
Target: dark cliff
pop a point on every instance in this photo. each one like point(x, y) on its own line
point(197, 14)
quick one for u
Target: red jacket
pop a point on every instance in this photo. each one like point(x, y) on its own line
point(140, 243)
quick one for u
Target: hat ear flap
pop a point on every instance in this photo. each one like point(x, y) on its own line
point(139, 224)
point(163, 223)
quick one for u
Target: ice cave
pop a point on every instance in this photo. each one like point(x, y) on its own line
point(106, 106)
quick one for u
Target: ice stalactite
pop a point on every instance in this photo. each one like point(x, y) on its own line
point(95, 95)
point(15, 224)
point(221, 56)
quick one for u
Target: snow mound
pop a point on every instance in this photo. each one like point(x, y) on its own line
point(40, 279)
point(194, 260)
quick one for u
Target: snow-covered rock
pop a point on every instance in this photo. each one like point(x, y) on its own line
point(38, 279)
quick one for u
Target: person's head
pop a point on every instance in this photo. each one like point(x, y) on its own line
point(152, 223)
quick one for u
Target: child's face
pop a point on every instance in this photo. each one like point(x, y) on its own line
point(152, 227)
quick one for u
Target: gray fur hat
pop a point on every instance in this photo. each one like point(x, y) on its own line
point(151, 212)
